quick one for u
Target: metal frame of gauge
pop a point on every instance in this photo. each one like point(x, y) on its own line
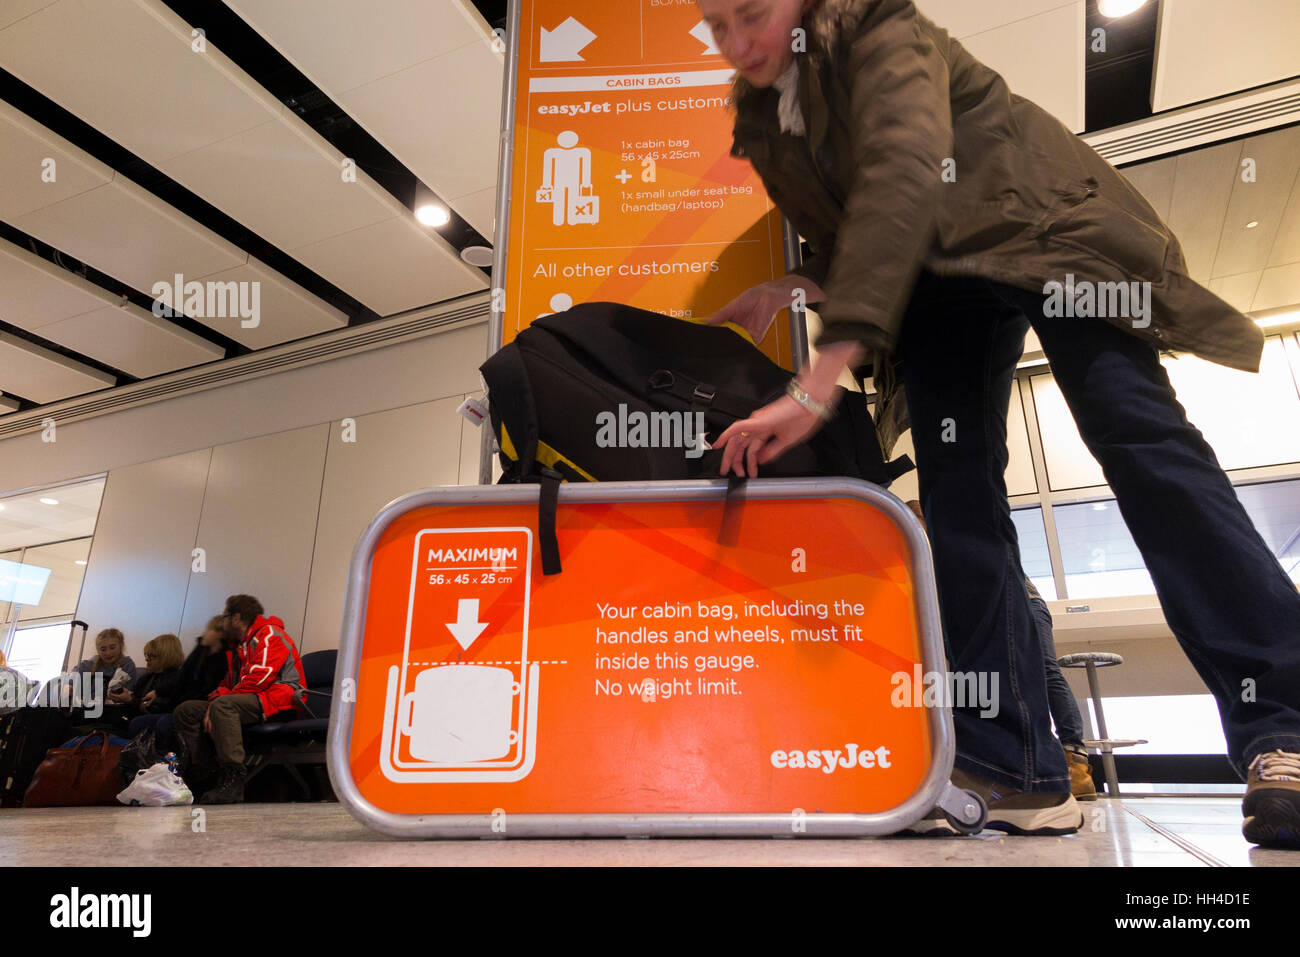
point(935, 788)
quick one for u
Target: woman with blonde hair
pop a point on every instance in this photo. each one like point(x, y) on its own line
point(154, 690)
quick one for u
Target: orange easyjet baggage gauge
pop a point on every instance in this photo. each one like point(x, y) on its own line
point(662, 683)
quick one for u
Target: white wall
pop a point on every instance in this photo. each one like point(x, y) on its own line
point(259, 475)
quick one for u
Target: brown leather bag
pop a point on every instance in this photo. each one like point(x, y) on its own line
point(80, 776)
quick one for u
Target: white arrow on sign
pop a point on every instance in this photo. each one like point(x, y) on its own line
point(702, 33)
point(466, 628)
point(565, 42)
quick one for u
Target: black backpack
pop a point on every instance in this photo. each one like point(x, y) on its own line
point(607, 392)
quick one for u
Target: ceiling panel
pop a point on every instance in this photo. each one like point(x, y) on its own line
point(34, 292)
point(1238, 291)
point(1279, 288)
point(388, 71)
point(1262, 201)
point(62, 307)
point(129, 234)
point(133, 340)
point(8, 405)
point(27, 521)
point(24, 183)
point(14, 10)
point(405, 112)
point(246, 177)
point(124, 231)
point(479, 209)
point(1203, 198)
point(962, 18)
point(342, 44)
point(1038, 46)
point(1286, 247)
point(1208, 48)
point(393, 263)
point(287, 311)
point(1154, 182)
point(44, 376)
point(134, 62)
point(1203, 182)
point(212, 128)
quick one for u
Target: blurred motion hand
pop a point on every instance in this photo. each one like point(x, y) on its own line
point(753, 310)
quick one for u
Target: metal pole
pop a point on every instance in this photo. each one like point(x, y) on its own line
point(1107, 756)
point(501, 232)
point(798, 317)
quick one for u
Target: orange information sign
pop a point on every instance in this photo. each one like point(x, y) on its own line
point(660, 672)
point(622, 187)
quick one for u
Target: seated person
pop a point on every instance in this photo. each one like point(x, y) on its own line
point(110, 658)
point(1060, 700)
point(265, 678)
point(197, 678)
point(15, 688)
point(154, 692)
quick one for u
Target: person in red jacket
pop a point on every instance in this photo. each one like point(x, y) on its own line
point(264, 680)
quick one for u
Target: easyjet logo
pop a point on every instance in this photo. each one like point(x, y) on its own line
point(829, 760)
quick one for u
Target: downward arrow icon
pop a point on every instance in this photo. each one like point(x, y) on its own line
point(466, 628)
point(565, 42)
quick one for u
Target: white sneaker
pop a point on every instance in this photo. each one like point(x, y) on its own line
point(156, 786)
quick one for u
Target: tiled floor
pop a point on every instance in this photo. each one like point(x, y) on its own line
point(1192, 832)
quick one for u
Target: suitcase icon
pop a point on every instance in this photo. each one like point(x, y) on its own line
point(584, 210)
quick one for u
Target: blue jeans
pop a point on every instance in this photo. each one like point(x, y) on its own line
point(1224, 594)
point(1060, 699)
point(162, 729)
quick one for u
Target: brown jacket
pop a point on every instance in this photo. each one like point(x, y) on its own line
point(891, 103)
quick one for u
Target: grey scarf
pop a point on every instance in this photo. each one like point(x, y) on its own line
point(788, 109)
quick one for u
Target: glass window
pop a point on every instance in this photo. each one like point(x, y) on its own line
point(1170, 724)
point(1274, 507)
point(64, 586)
point(1250, 419)
point(38, 651)
point(1100, 557)
point(1034, 557)
point(1069, 463)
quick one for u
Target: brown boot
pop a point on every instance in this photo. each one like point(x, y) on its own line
point(1081, 785)
point(1272, 803)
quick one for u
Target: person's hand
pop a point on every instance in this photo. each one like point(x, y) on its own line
point(753, 310)
point(120, 697)
point(207, 720)
point(148, 699)
point(764, 436)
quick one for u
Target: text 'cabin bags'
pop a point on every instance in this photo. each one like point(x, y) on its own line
point(607, 392)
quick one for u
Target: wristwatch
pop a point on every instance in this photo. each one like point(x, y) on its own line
point(796, 392)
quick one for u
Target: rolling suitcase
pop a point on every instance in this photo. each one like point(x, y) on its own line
point(25, 737)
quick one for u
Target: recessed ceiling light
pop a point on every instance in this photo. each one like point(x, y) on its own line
point(1099, 507)
point(79, 562)
point(49, 501)
point(1252, 224)
point(477, 255)
point(432, 214)
point(1285, 319)
point(1119, 8)
point(2, 508)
